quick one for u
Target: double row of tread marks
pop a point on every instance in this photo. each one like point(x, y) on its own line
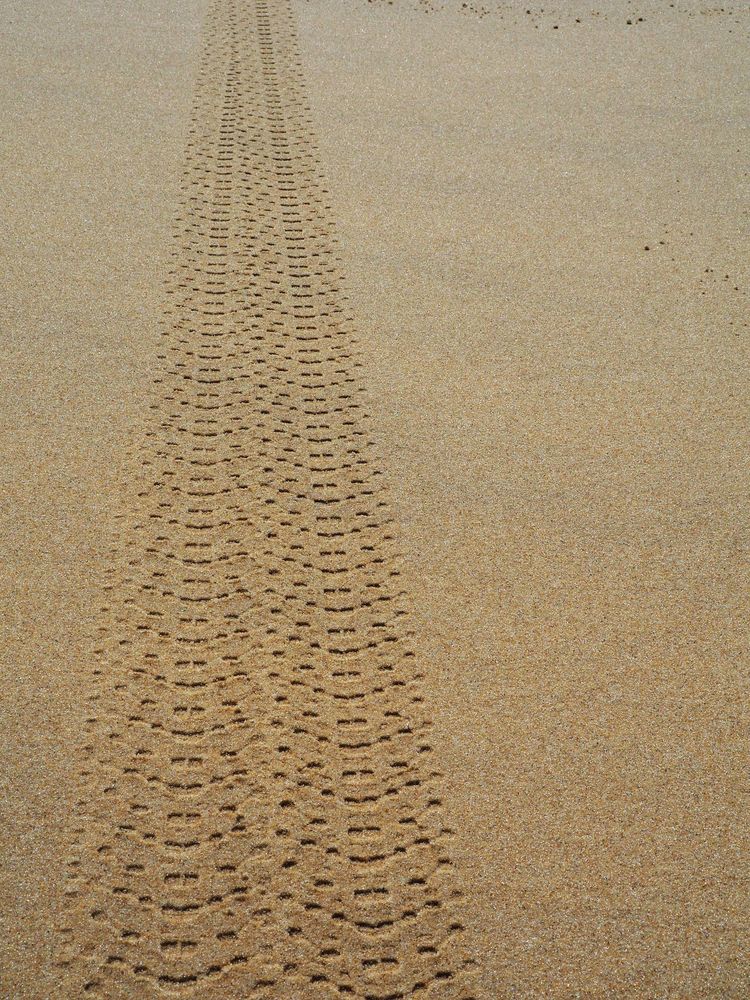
point(259, 813)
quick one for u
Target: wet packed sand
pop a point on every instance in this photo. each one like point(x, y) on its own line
point(375, 421)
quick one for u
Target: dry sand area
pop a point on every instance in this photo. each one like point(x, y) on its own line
point(375, 472)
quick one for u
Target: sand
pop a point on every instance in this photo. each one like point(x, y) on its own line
point(495, 260)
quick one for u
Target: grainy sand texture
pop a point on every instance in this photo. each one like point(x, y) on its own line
point(375, 473)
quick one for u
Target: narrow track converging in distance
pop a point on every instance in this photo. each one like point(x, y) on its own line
point(259, 813)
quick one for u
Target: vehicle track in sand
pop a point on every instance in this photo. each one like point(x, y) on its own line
point(259, 814)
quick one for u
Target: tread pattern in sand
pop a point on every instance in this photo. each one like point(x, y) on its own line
point(259, 815)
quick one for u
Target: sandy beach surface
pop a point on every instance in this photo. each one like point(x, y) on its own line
point(375, 475)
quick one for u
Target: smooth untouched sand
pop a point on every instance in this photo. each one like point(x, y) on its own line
point(559, 411)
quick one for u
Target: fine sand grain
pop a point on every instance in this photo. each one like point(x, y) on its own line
point(375, 449)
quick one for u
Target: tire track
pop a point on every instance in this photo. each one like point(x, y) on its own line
point(259, 814)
